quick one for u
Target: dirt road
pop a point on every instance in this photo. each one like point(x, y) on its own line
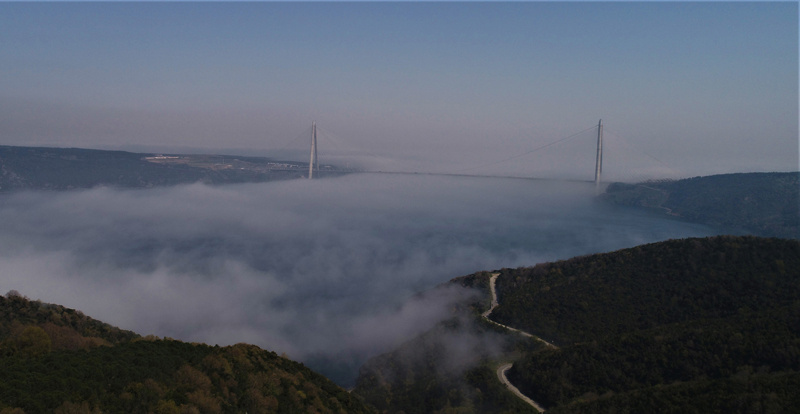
point(492, 282)
point(501, 371)
point(501, 375)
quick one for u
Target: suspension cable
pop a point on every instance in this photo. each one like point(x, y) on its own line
point(526, 153)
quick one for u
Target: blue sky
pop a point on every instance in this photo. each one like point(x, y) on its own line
point(700, 87)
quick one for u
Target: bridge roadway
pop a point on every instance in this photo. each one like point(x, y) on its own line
point(474, 176)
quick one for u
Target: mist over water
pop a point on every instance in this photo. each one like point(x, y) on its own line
point(323, 270)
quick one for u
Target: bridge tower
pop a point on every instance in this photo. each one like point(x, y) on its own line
point(313, 157)
point(598, 168)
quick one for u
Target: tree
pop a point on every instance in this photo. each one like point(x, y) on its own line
point(33, 342)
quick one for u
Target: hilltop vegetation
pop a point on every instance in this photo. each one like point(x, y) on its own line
point(32, 328)
point(56, 360)
point(588, 298)
point(765, 204)
point(695, 325)
point(690, 325)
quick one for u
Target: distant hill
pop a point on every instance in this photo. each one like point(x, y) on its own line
point(56, 360)
point(35, 168)
point(694, 325)
point(764, 204)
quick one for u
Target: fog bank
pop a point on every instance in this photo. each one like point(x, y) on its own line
point(325, 270)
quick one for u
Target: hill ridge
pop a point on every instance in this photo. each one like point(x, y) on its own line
point(120, 371)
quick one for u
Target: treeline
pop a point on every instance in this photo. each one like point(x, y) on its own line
point(704, 324)
point(765, 204)
point(115, 371)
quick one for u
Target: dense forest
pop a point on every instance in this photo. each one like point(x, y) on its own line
point(762, 204)
point(694, 325)
point(57, 360)
point(587, 298)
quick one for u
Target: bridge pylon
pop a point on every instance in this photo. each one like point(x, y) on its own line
point(313, 157)
point(598, 167)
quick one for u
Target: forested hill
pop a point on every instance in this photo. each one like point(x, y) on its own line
point(691, 325)
point(765, 204)
point(57, 360)
point(695, 325)
point(64, 328)
point(35, 168)
point(591, 297)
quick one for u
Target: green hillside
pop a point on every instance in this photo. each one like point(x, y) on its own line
point(694, 325)
point(56, 360)
point(764, 204)
point(698, 323)
point(21, 320)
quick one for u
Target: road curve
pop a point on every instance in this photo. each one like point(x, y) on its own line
point(492, 282)
point(501, 375)
point(501, 371)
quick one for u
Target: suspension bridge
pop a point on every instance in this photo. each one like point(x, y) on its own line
point(596, 132)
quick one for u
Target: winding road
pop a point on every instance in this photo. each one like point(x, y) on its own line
point(492, 282)
point(501, 371)
point(501, 374)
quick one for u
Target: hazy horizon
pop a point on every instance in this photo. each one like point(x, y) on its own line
point(684, 88)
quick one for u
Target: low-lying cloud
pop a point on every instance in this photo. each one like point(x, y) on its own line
point(316, 269)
